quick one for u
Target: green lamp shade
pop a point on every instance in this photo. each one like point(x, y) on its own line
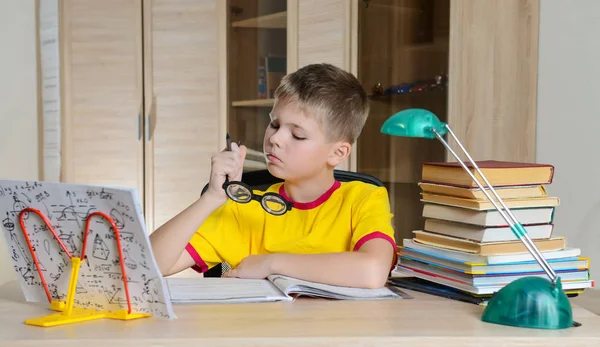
point(530, 302)
point(414, 122)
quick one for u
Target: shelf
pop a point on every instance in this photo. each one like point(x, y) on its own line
point(254, 103)
point(271, 21)
point(394, 7)
point(439, 47)
point(436, 91)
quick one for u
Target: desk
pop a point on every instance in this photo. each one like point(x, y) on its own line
point(423, 321)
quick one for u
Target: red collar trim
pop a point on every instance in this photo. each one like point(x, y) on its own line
point(312, 204)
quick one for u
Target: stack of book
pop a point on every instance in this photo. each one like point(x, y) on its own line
point(466, 244)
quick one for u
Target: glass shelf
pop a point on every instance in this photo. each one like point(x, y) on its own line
point(413, 94)
point(271, 21)
point(254, 103)
point(402, 44)
point(256, 60)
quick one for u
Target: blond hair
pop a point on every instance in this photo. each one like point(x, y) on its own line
point(333, 96)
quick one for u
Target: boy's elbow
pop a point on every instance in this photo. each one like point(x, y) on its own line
point(165, 272)
point(375, 274)
point(374, 282)
point(376, 259)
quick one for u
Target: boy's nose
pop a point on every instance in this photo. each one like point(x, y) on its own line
point(274, 140)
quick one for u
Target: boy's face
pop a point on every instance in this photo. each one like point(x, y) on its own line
point(295, 146)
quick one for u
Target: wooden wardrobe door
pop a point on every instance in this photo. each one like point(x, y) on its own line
point(492, 93)
point(101, 48)
point(324, 32)
point(182, 63)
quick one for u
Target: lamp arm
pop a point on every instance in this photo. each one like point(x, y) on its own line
point(515, 226)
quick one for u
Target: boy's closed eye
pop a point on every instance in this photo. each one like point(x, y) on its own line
point(298, 137)
point(298, 134)
point(275, 125)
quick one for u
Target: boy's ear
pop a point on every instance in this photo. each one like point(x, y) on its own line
point(341, 151)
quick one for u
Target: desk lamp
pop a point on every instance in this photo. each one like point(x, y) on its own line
point(528, 302)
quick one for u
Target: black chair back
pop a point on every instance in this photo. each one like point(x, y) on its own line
point(262, 179)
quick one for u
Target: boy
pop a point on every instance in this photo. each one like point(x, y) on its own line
point(336, 233)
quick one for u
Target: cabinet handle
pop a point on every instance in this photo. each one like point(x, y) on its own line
point(151, 120)
point(147, 128)
point(139, 126)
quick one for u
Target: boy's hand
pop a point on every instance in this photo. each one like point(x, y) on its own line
point(253, 266)
point(225, 164)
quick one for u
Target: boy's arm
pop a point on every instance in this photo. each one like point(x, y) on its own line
point(169, 240)
point(368, 267)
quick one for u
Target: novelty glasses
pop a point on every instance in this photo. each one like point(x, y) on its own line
point(240, 192)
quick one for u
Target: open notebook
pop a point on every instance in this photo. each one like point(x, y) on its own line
point(274, 288)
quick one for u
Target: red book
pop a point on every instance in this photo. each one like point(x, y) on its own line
point(498, 173)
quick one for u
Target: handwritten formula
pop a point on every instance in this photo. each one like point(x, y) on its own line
point(67, 207)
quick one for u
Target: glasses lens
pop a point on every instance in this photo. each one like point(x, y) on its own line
point(273, 204)
point(238, 193)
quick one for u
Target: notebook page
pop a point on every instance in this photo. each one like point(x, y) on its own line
point(296, 286)
point(199, 290)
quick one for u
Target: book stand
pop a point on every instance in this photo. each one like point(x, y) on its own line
point(67, 313)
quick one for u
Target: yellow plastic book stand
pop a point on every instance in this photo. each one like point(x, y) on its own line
point(69, 314)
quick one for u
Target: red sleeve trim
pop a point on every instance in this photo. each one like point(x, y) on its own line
point(378, 235)
point(200, 266)
point(374, 235)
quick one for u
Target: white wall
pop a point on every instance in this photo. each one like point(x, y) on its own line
point(18, 101)
point(568, 129)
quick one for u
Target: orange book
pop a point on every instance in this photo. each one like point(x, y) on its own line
point(498, 173)
point(535, 191)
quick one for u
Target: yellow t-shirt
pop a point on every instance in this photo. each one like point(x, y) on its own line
point(342, 219)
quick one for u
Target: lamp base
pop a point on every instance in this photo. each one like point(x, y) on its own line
point(530, 302)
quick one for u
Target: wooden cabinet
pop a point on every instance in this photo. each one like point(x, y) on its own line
point(150, 87)
point(141, 84)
